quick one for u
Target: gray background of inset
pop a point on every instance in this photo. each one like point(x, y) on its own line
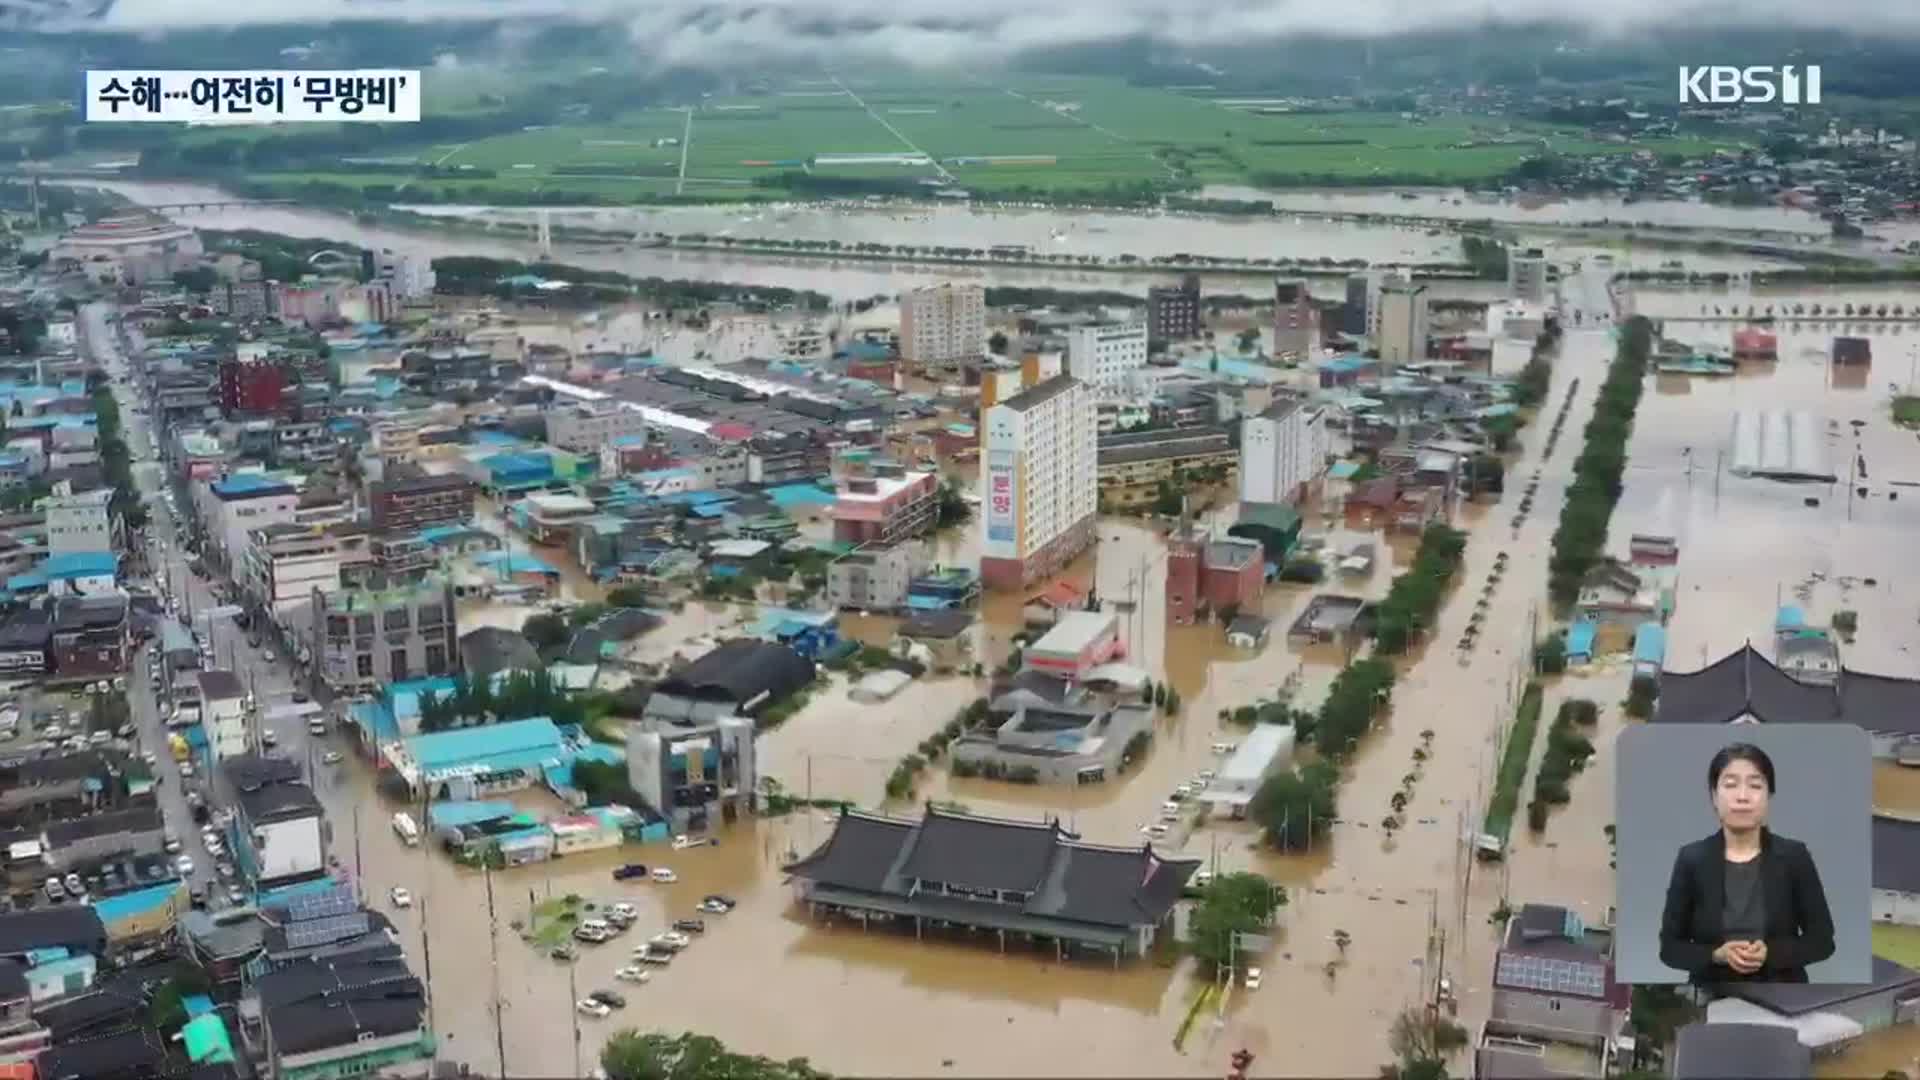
point(1824, 799)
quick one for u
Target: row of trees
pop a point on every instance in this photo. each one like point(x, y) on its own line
point(462, 275)
point(117, 460)
point(1567, 754)
point(1410, 604)
point(1296, 806)
point(475, 700)
point(1597, 473)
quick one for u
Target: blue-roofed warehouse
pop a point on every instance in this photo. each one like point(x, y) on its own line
point(476, 762)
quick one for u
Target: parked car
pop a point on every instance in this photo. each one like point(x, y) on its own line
point(672, 939)
point(714, 907)
point(647, 954)
point(690, 926)
point(562, 951)
point(629, 871)
point(624, 911)
point(331, 757)
point(633, 974)
point(664, 876)
point(1253, 978)
point(236, 896)
point(609, 998)
point(183, 866)
point(590, 1007)
point(56, 892)
point(682, 843)
point(400, 898)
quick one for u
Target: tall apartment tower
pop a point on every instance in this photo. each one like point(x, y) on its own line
point(943, 325)
point(1296, 322)
point(1353, 312)
point(1527, 275)
point(1042, 482)
point(1173, 311)
point(1402, 337)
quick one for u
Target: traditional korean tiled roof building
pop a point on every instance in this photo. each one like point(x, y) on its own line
point(1018, 881)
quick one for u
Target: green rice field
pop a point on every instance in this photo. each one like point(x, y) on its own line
point(1039, 134)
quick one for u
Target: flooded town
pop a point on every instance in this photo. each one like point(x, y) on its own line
point(936, 637)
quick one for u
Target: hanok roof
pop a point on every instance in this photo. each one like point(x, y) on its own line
point(982, 853)
point(1752, 1051)
point(1896, 854)
point(1746, 683)
point(1060, 877)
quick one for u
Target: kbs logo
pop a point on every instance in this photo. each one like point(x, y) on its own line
point(1785, 84)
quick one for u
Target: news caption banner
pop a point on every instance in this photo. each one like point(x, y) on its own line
point(386, 96)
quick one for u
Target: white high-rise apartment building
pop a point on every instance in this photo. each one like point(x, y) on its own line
point(1527, 275)
point(1402, 338)
point(1283, 448)
point(1042, 492)
point(943, 324)
point(1102, 354)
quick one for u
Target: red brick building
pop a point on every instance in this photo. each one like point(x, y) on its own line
point(253, 387)
point(1217, 576)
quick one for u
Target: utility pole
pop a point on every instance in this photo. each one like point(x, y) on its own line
point(573, 1012)
point(493, 939)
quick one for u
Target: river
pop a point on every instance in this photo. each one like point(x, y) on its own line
point(1092, 233)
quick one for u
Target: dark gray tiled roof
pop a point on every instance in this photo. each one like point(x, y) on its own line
point(138, 1052)
point(982, 853)
point(311, 1005)
point(1798, 999)
point(492, 649)
point(74, 926)
point(1746, 682)
point(860, 854)
point(738, 671)
point(1896, 854)
point(1068, 880)
point(1750, 1051)
point(1040, 393)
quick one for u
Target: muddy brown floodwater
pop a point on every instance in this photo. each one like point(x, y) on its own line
point(764, 979)
point(1749, 545)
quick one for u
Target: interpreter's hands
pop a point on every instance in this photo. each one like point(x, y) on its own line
point(1745, 957)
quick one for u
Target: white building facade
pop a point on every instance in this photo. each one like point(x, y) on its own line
point(79, 522)
point(1102, 354)
point(1283, 450)
point(943, 324)
point(1042, 482)
point(1527, 275)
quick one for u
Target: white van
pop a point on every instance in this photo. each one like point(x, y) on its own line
point(408, 832)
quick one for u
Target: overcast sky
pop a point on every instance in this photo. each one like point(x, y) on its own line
point(735, 32)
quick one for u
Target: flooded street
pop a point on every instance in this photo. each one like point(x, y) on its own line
point(1390, 894)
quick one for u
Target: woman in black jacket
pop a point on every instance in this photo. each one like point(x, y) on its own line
point(1744, 905)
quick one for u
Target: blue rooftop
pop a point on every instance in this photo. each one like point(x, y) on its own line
point(249, 484)
point(1789, 617)
point(1650, 644)
point(495, 438)
point(514, 563)
point(787, 496)
point(79, 564)
point(447, 815)
point(138, 902)
point(516, 742)
point(1580, 638)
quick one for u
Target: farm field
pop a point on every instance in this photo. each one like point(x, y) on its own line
point(1024, 134)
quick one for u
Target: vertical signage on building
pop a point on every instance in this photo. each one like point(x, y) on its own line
point(1001, 497)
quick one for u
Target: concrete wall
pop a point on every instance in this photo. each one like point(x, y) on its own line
point(1548, 1016)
